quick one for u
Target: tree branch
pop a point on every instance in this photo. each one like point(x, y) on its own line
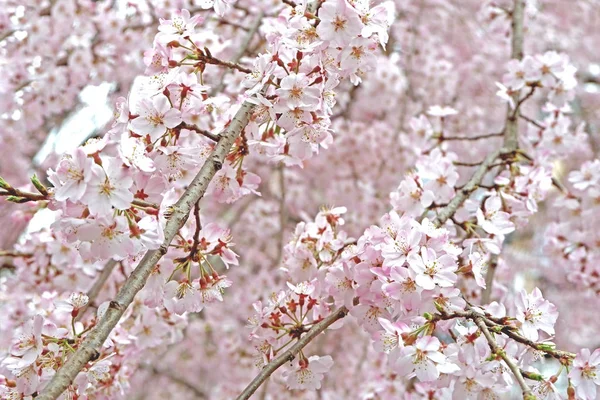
point(479, 137)
point(91, 345)
point(241, 51)
point(177, 379)
point(511, 132)
point(527, 394)
point(290, 354)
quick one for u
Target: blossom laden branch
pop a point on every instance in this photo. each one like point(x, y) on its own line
point(527, 393)
point(90, 347)
point(291, 353)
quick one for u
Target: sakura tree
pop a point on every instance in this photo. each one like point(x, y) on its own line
point(329, 199)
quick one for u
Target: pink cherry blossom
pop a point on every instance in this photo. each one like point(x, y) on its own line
point(155, 117)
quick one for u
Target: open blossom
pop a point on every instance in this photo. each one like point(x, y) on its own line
point(155, 116)
point(424, 359)
point(108, 187)
point(220, 6)
point(308, 374)
point(180, 25)
point(29, 343)
point(71, 176)
point(493, 220)
point(182, 297)
point(535, 313)
point(588, 175)
point(585, 374)
point(294, 91)
point(478, 266)
point(75, 302)
point(397, 248)
point(339, 22)
point(133, 153)
point(432, 270)
point(390, 340)
point(378, 20)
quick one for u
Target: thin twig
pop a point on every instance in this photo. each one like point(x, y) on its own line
point(177, 379)
point(204, 132)
point(479, 137)
point(290, 354)
point(241, 51)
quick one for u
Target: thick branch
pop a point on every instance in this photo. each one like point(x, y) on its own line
point(291, 352)
point(90, 347)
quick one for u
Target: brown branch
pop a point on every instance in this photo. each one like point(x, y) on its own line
point(290, 354)
point(472, 185)
point(499, 325)
point(241, 51)
point(177, 379)
point(532, 121)
point(511, 138)
point(527, 394)
point(90, 348)
point(10, 253)
point(210, 135)
point(145, 204)
point(480, 137)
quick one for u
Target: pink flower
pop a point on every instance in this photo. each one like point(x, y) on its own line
point(181, 297)
point(535, 313)
point(588, 175)
point(378, 21)
point(181, 25)
point(108, 188)
point(308, 374)
point(514, 79)
point(156, 115)
point(109, 238)
point(432, 270)
point(424, 360)
point(585, 374)
point(71, 176)
point(478, 265)
point(389, 341)
point(294, 91)
point(358, 54)
point(133, 153)
point(75, 302)
point(29, 343)
point(340, 23)
point(494, 221)
point(221, 6)
point(410, 198)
